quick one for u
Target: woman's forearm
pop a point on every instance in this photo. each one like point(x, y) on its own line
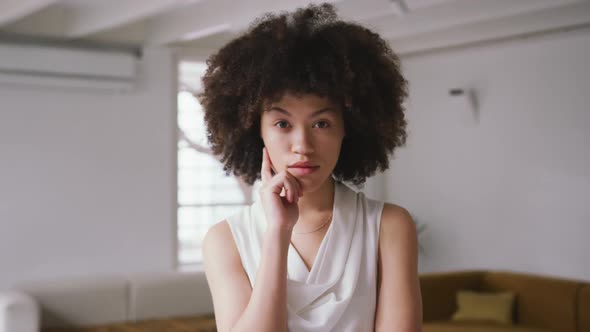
point(267, 308)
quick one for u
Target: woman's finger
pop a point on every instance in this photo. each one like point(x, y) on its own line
point(265, 172)
point(290, 184)
point(296, 182)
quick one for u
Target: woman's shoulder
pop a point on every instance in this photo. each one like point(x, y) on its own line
point(392, 218)
point(396, 221)
point(389, 209)
point(218, 234)
point(392, 209)
point(219, 247)
point(223, 232)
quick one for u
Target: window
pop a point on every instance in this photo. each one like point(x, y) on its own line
point(205, 194)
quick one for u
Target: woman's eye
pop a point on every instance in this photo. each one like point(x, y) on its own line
point(323, 124)
point(281, 124)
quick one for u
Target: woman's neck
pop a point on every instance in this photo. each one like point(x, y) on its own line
point(315, 206)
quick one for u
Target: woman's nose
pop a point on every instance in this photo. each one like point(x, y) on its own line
point(302, 142)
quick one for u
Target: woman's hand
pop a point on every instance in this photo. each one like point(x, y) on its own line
point(281, 212)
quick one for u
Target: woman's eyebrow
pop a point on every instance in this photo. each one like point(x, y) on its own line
point(316, 113)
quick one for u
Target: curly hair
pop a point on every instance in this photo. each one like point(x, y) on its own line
point(308, 51)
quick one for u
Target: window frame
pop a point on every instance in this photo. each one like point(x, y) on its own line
point(179, 135)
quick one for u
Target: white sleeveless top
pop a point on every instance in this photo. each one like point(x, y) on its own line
point(340, 291)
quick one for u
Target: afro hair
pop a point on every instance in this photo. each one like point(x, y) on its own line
point(308, 51)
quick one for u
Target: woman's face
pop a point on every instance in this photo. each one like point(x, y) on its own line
point(303, 128)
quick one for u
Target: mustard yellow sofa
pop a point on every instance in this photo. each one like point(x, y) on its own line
point(542, 304)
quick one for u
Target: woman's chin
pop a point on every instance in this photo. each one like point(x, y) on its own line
point(312, 184)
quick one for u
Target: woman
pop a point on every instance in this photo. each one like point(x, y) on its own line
point(304, 101)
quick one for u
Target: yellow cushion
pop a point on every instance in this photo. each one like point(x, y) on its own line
point(490, 307)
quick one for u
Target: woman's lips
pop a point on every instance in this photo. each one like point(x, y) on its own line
point(303, 170)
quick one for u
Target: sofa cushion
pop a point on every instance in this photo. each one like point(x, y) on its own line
point(476, 327)
point(439, 292)
point(169, 294)
point(478, 306)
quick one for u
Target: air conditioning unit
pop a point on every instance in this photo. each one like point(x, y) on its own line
point(67, 67)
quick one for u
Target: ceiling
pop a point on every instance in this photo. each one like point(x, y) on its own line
point(198, 26)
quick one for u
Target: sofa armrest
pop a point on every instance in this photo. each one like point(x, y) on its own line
point(18, 312)
point(584, 308)
point(439, 292)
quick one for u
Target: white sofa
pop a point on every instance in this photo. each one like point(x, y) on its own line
point(87, 301)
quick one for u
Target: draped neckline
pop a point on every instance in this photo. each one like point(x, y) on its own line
point(298, 270)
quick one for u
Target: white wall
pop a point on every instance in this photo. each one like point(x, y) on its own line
point(87, 178)
point(511, 191)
